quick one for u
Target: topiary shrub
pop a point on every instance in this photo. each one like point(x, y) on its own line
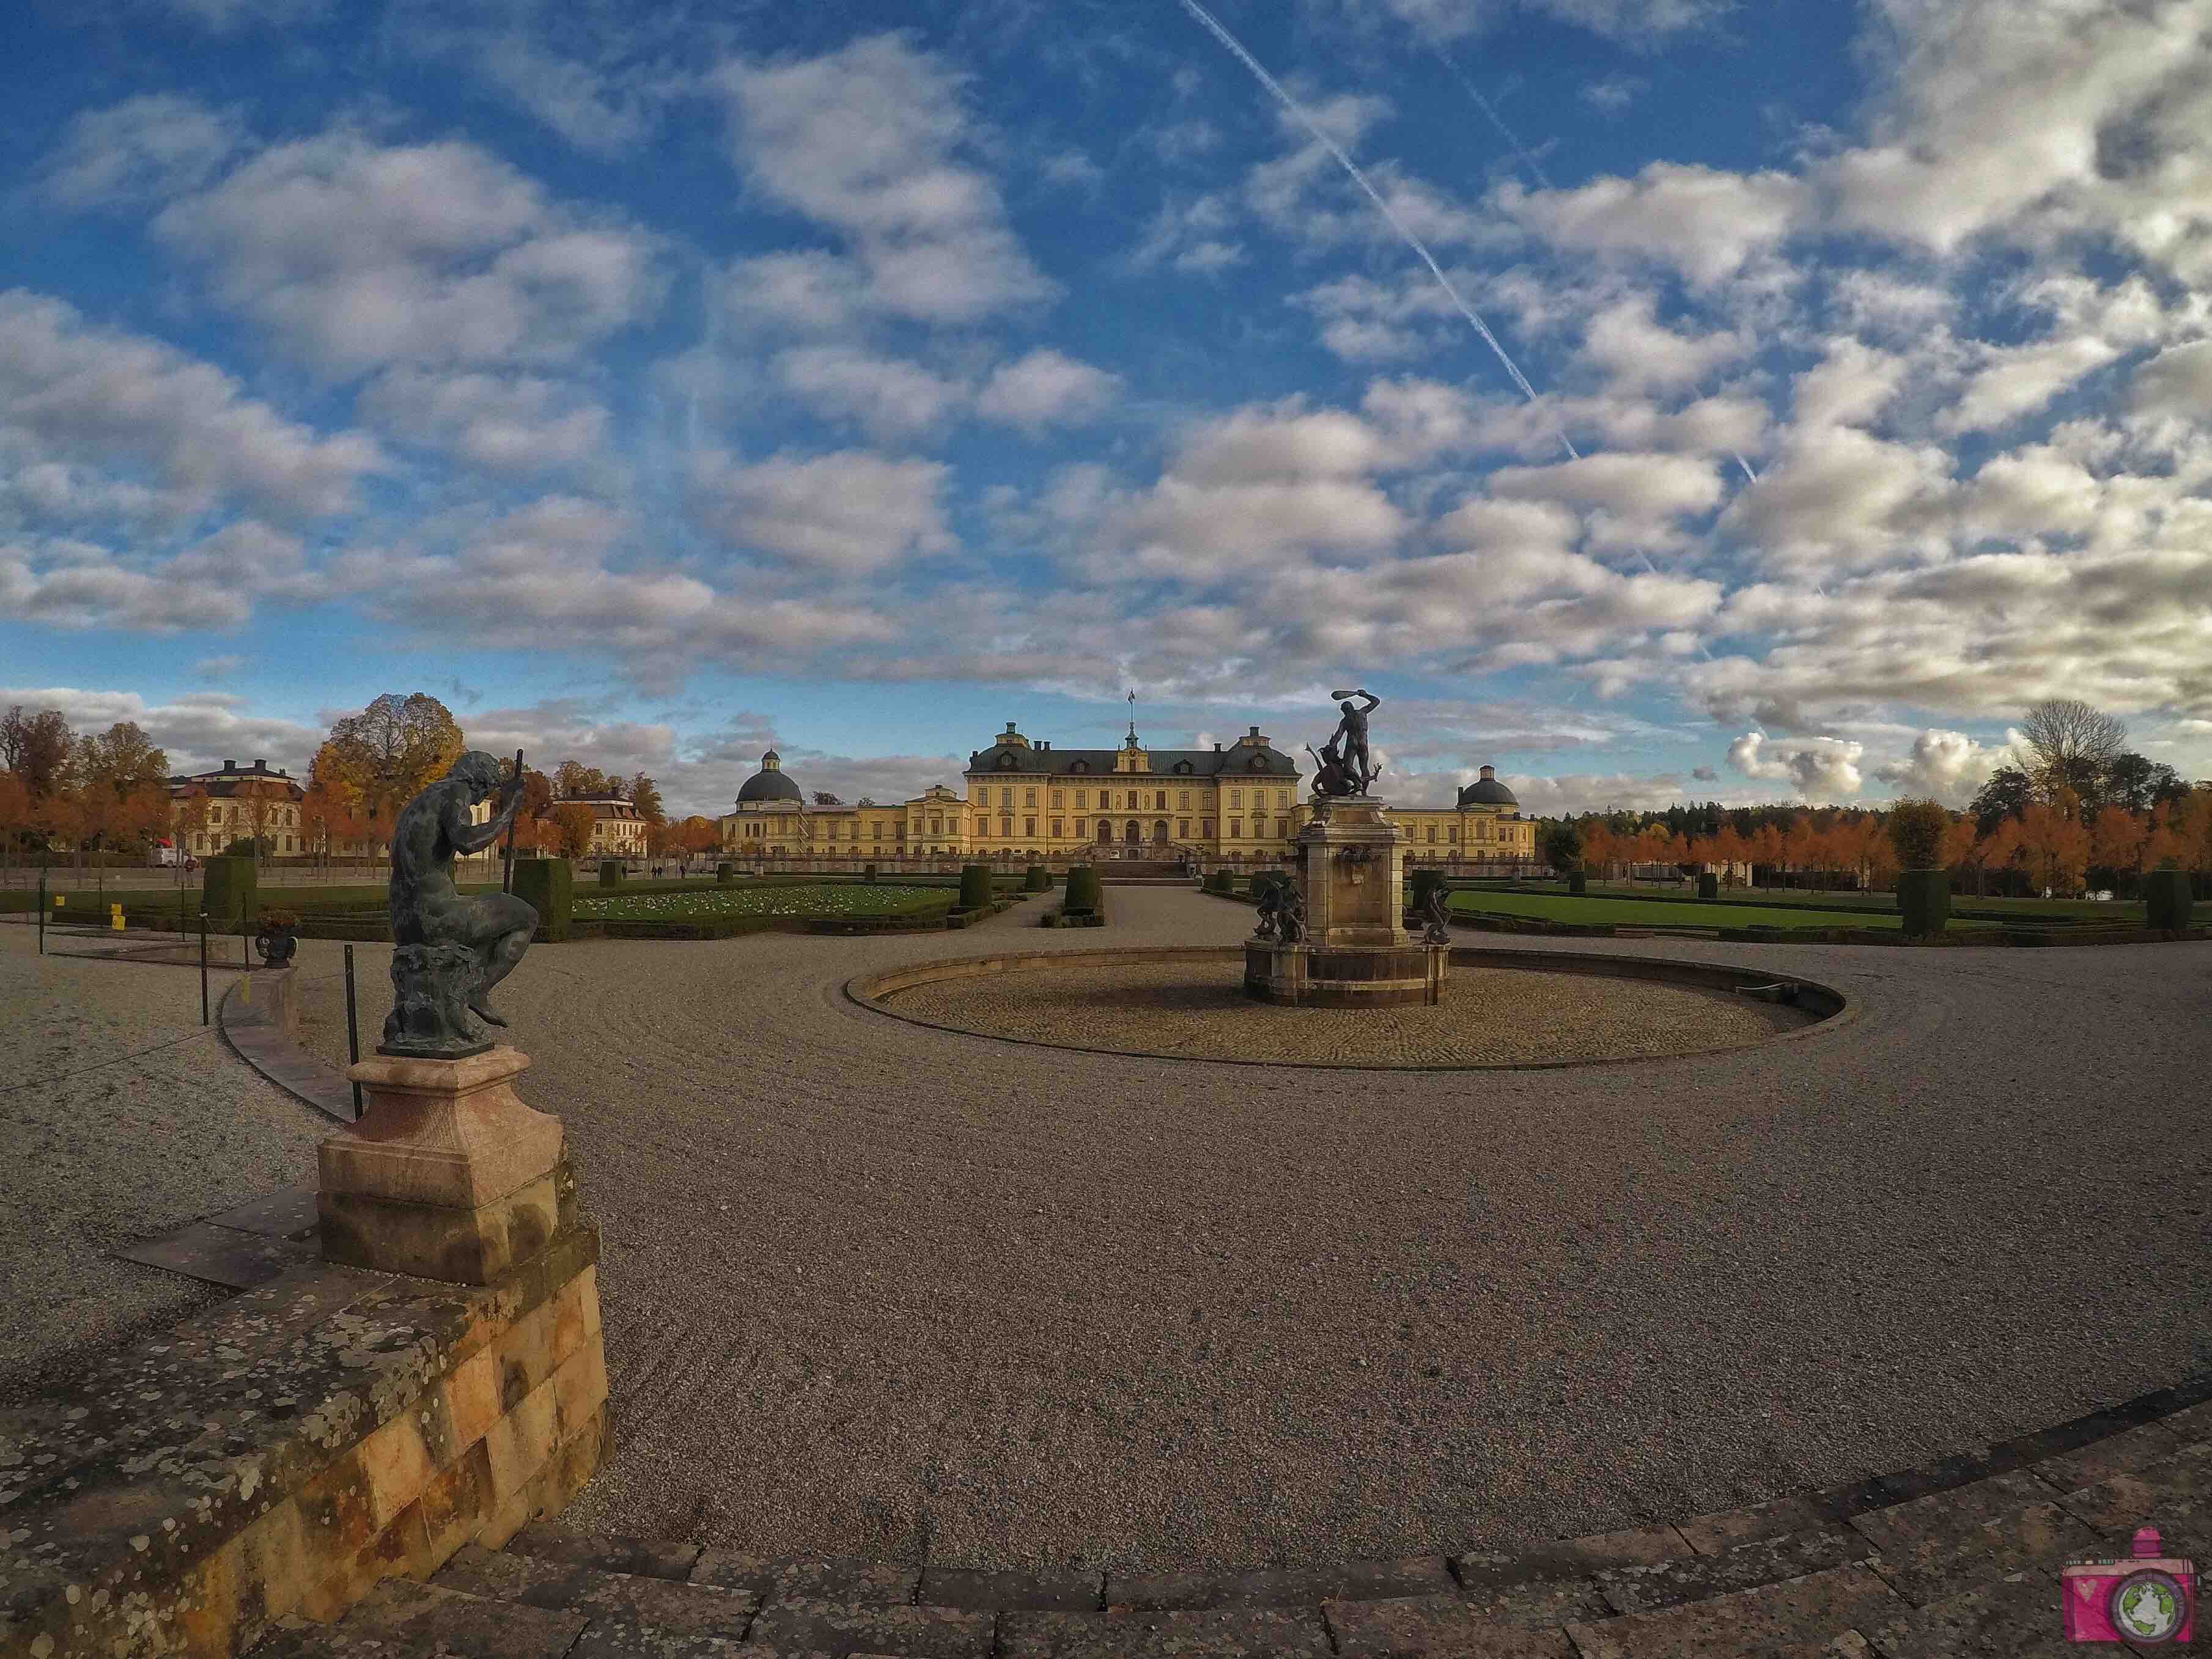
point(725, 871)
point(1037, 879)
point(1924, 899)
point(868, 874)
point(549, 887)
point(610, 872)
point(1085, 894)
point(229, 893)
point(1577, 881)
point(1709, 885)
point(975, 887)
point(2166, 902)
point(1917, 829)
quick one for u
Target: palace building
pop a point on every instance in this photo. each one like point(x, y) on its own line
point(208, 811)
point(1239, 801)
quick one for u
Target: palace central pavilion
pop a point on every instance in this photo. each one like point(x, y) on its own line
point(1238, 801)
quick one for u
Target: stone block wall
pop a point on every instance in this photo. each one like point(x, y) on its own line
point(275, 1458)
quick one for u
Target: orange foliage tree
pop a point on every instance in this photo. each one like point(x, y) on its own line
point(2053, 846)
point(571, 829)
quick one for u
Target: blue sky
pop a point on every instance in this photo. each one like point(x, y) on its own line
point(653, 382)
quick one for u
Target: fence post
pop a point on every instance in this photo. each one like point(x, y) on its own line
point(353, 1031)
point(42, 910)
point(203, 991)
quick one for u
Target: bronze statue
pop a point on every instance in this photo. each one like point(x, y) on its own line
point(1436, 912)
point(1347, 768)
point(1270, 900)
point(1290, 912)
point(448, 951)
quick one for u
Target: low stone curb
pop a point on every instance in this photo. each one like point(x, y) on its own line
point(1956, 1557)
point(261, 1034)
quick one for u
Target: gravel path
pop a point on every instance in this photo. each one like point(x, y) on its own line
point(121, 1117)
point(872, 1288)
point(1489, 1016)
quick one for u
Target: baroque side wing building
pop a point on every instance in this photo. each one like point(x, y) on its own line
point(1238, 802)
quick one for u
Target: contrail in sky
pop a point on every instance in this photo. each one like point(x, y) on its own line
point(1206, 18)
point(1520, 150)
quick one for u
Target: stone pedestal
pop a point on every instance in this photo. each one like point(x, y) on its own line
point(1357, 951)
point(447, 1175)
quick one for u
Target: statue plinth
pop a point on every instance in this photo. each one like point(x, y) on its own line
point(449, 1174)
point(1356, 952)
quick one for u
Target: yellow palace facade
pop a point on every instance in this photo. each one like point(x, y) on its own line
point(1238, 802)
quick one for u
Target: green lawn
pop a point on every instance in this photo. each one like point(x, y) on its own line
point(2119, 912)
point(809, 899)
point(1665, 913)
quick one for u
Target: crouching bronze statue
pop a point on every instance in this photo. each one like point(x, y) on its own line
point(448, 951)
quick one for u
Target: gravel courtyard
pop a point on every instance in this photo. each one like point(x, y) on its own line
point(872, 1288)
point(120, 1116)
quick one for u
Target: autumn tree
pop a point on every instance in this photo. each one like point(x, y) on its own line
point(36, 748)
point(574, 781)
point(2005, 795)
point(571, 829)
point(2053, 846)
point(824, 798)
point(645, 795)
point(390, 751)
point(2118, 838)
point(15, 816)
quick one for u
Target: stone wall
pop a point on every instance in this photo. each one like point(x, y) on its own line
point(275, 1458)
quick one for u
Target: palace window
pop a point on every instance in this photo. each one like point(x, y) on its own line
point(1006, 797)
point(1237, 798)
point(1081, 829)
point(875, 832)
point(1029, 798)
point(1182, 799)
point(1205, 829)
point(1056, 831)
point(1056, 801)
point(1182, 829)
point(936, 824)
point(1235, 829)
point(1079, 766)
point(1455, 834)
point(1432, 835)
point(1129, 799)
point(1029, 827)
point(1159, 800)
point(1082, 799)
point(1282, 828)
point(1006, 827)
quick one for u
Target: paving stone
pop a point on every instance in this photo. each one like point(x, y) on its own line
point(1418, 1626)
point(1762, 1561)
point(1709, 1535)
point(841, 1627)
point(652, 1558)
point(1483, 1573)
point(1947, 1473)
point(2017, 1617)
point(627, 1606)
point(977, 1590)
point(1942, 1565)
point(2190, 1424)
point(1217, 1633)
point(1952, 1514)
point(787, 1578)
point(1797, 1614)
point(1539, 1604)
point(222, 1255)
point(399, 1618)
point(2173, 1494)
point(2100, 1459)
point(1280, 1586)
point(288, 1214)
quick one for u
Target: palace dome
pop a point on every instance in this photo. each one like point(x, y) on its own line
point(770, 783)
point(1486, 791)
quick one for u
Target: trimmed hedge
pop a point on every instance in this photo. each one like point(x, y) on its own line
point(230, 892)
point(1924, 898)
point(1085, 897)
point(1577, 881)
point(1037, 879)
point(610, 872)
point(1708, 885)
point(725, 871)
point(868, 874)
point(549, 887)
point(975, 887)
point(2166, 899)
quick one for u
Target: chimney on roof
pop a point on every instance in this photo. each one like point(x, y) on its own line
point(1217, 748)
point(261, 765)
point(230, 766)
point(1255, 731)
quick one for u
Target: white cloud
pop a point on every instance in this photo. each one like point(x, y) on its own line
point(888, 396)
point(1047, 388)
point(79, 395)
point(1950, 766)
point(1824, 767)
point(212, 584)
point(1637, 353)
point(356, 255)
point(866, 140)
point(144, 150)
point(848, 513)
point(2177, 382)
point(1634, 23)
point(1703, 222)
point(505, 422)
